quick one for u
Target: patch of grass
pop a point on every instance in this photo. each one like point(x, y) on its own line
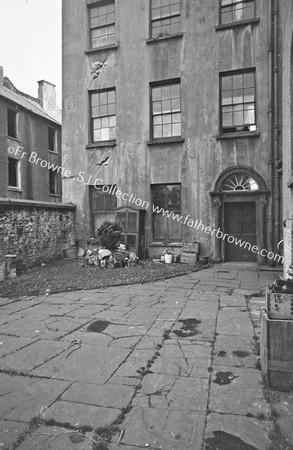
point(278, 440)
point(68, 275)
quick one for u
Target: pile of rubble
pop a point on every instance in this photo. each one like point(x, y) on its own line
point(102, 257)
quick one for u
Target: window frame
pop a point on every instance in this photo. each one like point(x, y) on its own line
point(99, 188)
point(92, 6)
point(55, 140)
point(91, 118)
point(168, 219)
point(250, 70)
point(18, 174)
point(163, 83)
point(55, 193)
point(151, 21)
point(235, 22)
point(15, 112)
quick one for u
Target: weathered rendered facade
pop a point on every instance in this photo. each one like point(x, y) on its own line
point(191, 126)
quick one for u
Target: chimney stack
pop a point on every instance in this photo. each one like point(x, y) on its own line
point(48, 100)
point(1, 76)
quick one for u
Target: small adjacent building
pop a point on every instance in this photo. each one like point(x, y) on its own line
point(30, 143)
point(170, 107)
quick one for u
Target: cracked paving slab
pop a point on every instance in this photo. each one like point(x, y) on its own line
point(228, 383)
point(110, 396)
point(235, 432)
point(234, 351)
point(163, 429)
point(35, 394)
point(10, 432)
point(184, 360)
point(85, 364)
point(173, 393)
point(81, 414)
point(57, 438)
point(32, 356)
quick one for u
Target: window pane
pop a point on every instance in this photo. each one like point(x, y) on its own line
point(174, 230)
point(160, 227)
point(167, 130)
point(176, 129)
point(97, 135)
point(237, 81)
point(157, 93)
point(166, 92)
point(248, 80)
point(159, 196)
point(175, 91)
point(226, 83)
point(249, 116)
point(167, 118)
point(227, 120)
point(157, 107)
point(158, 131)
point(173, 198)
point(166, 106)
point(121, 217)
point(132, 221)
point(11, 123)
point(12, 172)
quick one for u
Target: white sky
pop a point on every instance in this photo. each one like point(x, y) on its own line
point(30, 43)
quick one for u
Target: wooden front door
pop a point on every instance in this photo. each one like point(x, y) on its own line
point(240, 222)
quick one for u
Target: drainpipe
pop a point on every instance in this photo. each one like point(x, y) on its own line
point(269, 237)
point(276, 131)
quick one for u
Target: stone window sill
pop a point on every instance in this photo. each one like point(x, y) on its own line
point(172, 140)
point(52, 151)
point(101, 144)
point(13, 138)
point(161, 244)
point(239, 135)
point(101, 49)
point(54, 195)
point(164, 38)
point(14, 189)
point(241, 23)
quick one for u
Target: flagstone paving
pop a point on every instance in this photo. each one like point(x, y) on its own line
point(171, 363)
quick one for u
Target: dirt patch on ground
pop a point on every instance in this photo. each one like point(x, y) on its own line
point(68, 275)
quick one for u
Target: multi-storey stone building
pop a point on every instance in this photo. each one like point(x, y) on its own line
point(171, 104)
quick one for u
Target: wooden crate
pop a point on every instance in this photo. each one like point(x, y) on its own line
point(279, 305)
point(276, 352)
point(188, 258)
point(190, 247)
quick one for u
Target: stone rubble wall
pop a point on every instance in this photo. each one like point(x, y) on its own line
point(35, 232)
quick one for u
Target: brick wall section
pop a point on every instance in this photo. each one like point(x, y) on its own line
point(35, 231)
point(288, 246)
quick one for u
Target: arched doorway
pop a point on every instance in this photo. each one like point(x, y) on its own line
point(239, 201)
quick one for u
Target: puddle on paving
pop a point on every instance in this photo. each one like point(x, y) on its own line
point(241, 354)
point(98, 326)
point(222, 353)
point(225, 441)
point(188, 328)
point(223, 378)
